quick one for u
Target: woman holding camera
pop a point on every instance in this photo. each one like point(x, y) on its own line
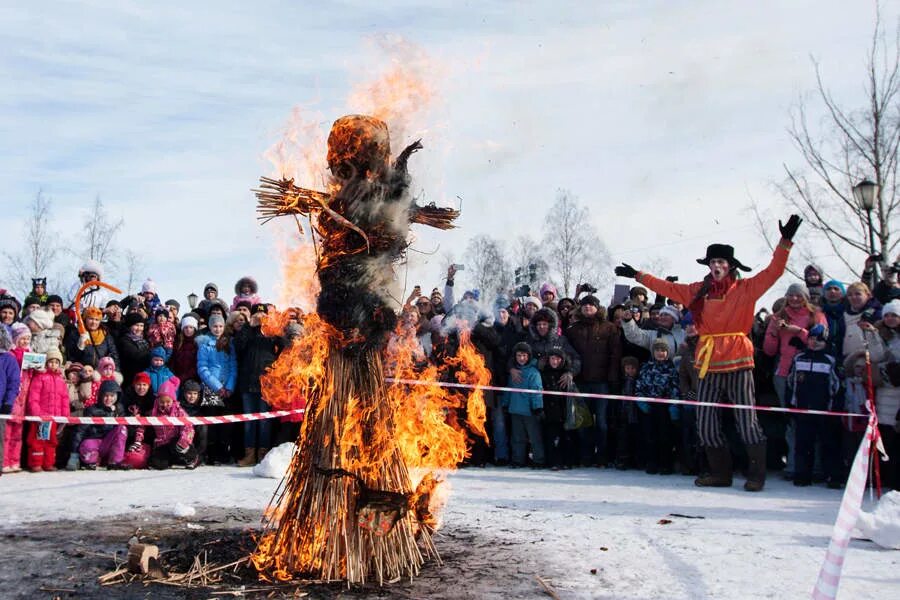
point(860, 315)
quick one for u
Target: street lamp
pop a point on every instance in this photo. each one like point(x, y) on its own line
point(864, 193)
point(192, 300)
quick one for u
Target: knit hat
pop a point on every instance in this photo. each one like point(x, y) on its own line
point(18, 330)
point(162, 310)
point(190, 385)
point(672, 312)
point(659, 344)
point(106, 361)
point(535, 301)
point(891, 308)
point(31, 300)
point(557, 351)
point(158, 352)
point(210, 286)
point(109, 386)
point(74, 367)
point(189, 321)
point(522, 347)
point(474, 293)
point(54, 298)
point(41, 317)
point(148, 287)
point(797, 289)
point(92, 312)
point(169, 388)
point(548, 287)
point(141, 377)
point(590, 299)
point(818, 331)
point(9, 302)
point(837, 284)
point(630, 360)
point(53, 353)
point(172, 302)
point(216, 320)
point(133, 318)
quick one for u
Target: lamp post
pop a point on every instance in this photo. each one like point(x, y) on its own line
point(864, 193)
point(192, 300)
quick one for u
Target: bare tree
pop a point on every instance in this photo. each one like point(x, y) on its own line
point(486, 265)
point(39, 247)
point(100, 233)
point(855, 144)
point(134, 264)
point(573, 247)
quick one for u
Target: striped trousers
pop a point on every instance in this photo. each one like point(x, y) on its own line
point(734, 387)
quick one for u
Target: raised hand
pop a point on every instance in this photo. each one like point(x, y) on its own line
point(789, 229)
point(626, 270)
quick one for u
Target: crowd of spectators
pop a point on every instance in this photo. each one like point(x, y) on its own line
point(141, 356)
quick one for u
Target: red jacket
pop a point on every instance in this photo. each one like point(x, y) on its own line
point(48, 395)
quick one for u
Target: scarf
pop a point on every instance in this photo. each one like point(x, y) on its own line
point(711, 289)
point(97, 336)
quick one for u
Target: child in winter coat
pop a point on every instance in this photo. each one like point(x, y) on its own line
point(624, 422)
point(48, 396)
point(813, 384)
point(9, 391)
point(183, 360)
point(162, 331)
point(106, 371)
point(560, 443)
point(190, 403)
point(174, 443)
point(158, 372)
point(45, 333)
point(217, 367)
point(99, 444)
point(12, 451)
point(525, 409)
point(246, 289)
point(658, 379)
point(138, 402)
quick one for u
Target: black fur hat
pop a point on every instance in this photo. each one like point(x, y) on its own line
point(722, 251)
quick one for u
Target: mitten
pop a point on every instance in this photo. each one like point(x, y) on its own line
point(789, 229)
point(72, 464)
point(626, 270)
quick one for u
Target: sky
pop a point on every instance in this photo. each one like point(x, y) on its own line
point(665, 119)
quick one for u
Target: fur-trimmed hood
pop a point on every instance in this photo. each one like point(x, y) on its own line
point(246, 280)
point(550, 315)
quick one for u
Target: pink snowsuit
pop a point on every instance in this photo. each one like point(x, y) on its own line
point(48, 396)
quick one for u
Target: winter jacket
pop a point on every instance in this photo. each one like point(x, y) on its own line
point(48, 395)
point(834, 317)
point(183, 361)
point(158, 376)
point(887, 396)
point(777, 341)
point(813, 380)
point(599, 345)
point(92, 353)
point(855, 339)
point(508, 336)
point(257, 352)
point(183, 435)
point(724, 345)
point(521, 403)
point(541, 345)
point(554, 405)
point(96, 432)
point(162, 334)
point(135, 357)
point(658, 379)
point(10, 380)
point(217, 368)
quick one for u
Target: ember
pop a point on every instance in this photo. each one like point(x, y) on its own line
point(358, 503)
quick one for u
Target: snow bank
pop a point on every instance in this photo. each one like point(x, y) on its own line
point(882, 525)
point(276, 462)
point(184, 510)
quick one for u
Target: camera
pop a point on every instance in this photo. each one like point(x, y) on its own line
point(522, 291)
point(587, 288)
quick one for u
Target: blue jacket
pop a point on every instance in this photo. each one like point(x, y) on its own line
point(158, 376)
point(217, 369)
point(520, 403)
point(10, 378)
point(813, 381)
point(658, 380)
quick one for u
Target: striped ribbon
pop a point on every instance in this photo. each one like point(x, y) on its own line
point(830, 574)
point(242, 418)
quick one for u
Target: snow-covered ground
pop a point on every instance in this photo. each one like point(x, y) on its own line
point(590, 533)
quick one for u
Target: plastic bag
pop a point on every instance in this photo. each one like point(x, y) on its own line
point(578, 415)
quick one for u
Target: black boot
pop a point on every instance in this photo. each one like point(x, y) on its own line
point(756, 469)
point(719, 468)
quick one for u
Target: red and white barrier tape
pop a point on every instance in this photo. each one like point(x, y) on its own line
point(798, 411)
point(830, 574)
point(242, 418)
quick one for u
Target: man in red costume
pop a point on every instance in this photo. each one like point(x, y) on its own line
point(723, 306)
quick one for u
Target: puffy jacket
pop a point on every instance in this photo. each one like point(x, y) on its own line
point(217, 369)
point(135, 357)
point(599, 345)
point(658, 379)
point(521, 403)
point(778, 341)
point(96, 432)
point(257, 353)
point(92, 353)
point(183, 361)
point(541, 345)
point(48, 395)
point(10, 379)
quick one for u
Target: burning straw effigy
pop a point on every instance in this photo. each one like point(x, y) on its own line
point(357, 503)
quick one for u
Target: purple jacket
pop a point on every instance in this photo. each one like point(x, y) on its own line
point(10, 378)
